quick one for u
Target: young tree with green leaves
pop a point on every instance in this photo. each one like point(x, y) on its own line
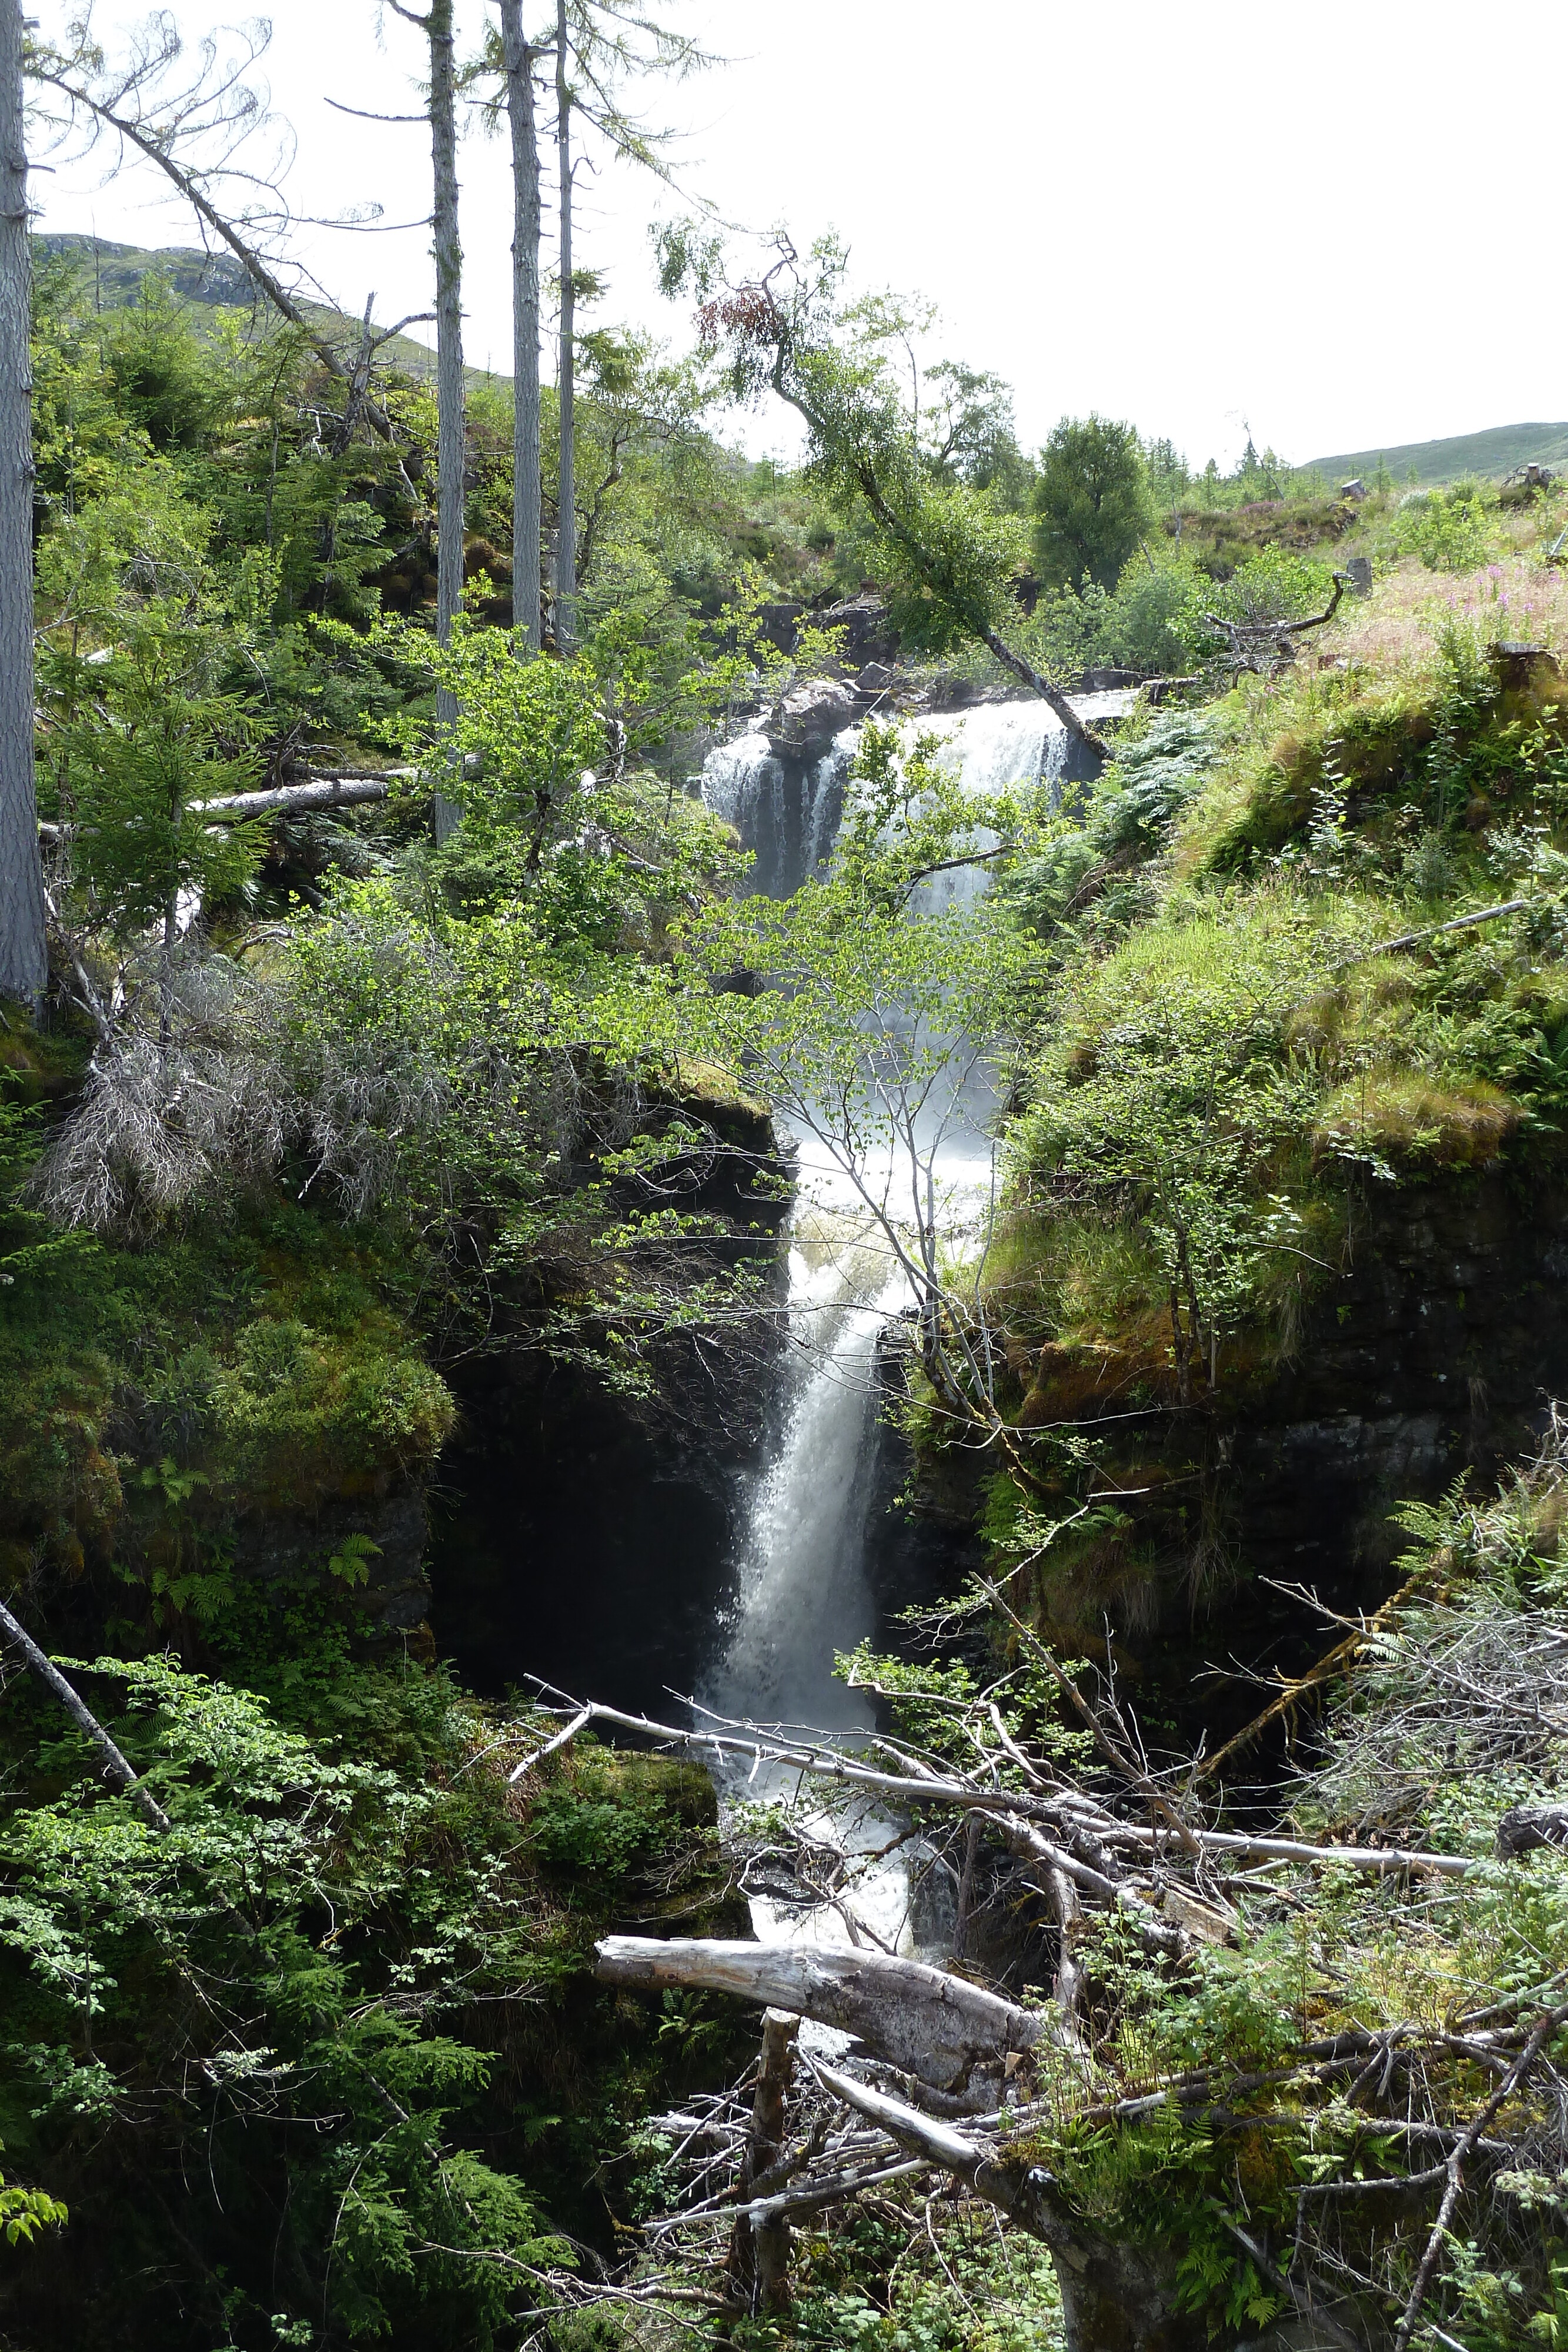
point(1091, 502)
point(884, 1002)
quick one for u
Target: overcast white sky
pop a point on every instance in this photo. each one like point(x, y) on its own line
point(1339, 223)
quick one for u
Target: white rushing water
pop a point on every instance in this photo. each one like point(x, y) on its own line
point(802, 1592)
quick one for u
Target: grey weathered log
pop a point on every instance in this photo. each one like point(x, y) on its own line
point(1459, 923)
point(24, 953)
point(322, 793)
point(928, 2025)
point(1115, 2297)
point(114, 1764)
point(518, 61)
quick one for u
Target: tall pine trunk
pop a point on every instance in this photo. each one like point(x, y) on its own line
point(526, 501)
point(449, 386)
point(565, 536)
point(23, 955)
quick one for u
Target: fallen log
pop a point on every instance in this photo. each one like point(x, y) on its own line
point(928, 2025)
point(320, 793)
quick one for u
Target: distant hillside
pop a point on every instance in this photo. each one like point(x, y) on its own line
point(1490, 455)
point(111, 276)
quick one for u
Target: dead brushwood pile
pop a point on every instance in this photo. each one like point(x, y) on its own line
point(1301, 2080)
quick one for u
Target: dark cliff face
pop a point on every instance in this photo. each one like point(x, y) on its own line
point(1439, 1351)
point(587, 1536)
point(1435, 1352)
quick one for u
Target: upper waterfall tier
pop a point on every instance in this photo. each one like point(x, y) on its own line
point(782, 785)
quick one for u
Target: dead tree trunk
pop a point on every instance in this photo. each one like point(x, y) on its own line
point(930, 2025)
point(23, 955)
point(450, 396)
point(566, 530)
point(759, 2248)
point(519, 60)
point(114, 1764)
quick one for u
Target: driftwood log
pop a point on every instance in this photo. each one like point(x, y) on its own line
point(930, 2025)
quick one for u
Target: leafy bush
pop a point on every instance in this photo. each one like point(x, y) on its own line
point(1450, 529)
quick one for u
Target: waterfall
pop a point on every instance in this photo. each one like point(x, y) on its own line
point(801, 1590)
point(786, 805)
point(802, 1587)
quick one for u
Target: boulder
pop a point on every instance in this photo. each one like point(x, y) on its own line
point(803, 723)
point(776, 623)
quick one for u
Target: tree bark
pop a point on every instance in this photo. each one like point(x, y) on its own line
point(24, 953)
point(449, 386)
point(566, 531)
point(518, 59)
point(760, 2247)
point(114, 1763)
point(928, 2025)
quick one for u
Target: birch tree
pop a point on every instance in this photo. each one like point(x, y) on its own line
point(24, 958)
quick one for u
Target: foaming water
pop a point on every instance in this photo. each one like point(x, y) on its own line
point(786, 809)
point(802, 1590)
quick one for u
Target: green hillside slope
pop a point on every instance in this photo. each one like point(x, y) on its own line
point(114, 274)
point(1491, 454)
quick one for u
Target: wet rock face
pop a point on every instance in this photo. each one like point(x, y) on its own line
point(587, 1537)
point(1437, 1351)
point(866, 631)
point(294, 1547)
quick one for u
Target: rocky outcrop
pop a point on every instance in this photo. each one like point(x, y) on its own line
point(1433, 1352)
point(803, 724)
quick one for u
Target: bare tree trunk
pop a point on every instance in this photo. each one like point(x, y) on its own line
point(565, 534)
point(525, 501)
point(759, 2249)
point(449, 387)
point(114, 1763)
point(24, 954)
